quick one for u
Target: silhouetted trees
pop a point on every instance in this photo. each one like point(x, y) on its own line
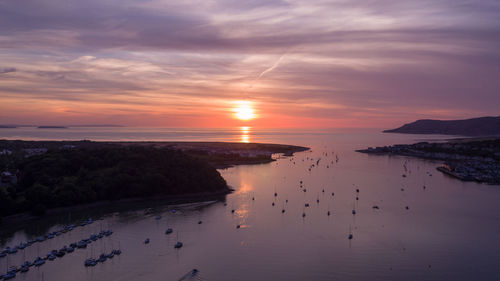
point(68, 177)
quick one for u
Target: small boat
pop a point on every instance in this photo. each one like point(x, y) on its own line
point(146, 241)
point(192, 275)
point(283, 211)
point(9, 275)
point(238, 226)
point(306, 205)
point(90, 262)
point(328, 213)
point(353, 212)
point(303, 214)
point(102, 258)
point(350, 236)
point(169, 230)
point(178, 245)
point(39, 262)
point(24, 269)
point(117, 252)
point(81, 244)
point(375, 207)
point(200, 222)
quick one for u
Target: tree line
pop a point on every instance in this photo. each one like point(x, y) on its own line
point(61, 178)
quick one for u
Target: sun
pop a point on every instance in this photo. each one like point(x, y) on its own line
point(244, 111)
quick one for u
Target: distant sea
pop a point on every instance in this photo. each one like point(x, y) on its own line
point(236, 134)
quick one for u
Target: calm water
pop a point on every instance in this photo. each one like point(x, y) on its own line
point(449, 232)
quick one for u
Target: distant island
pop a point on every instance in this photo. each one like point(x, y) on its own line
point(483, 126)
point(41, 175)
point(13, 126)
point(52, 127)
point(465, 159)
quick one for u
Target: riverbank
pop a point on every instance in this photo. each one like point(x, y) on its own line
point(101, 208)
point(465, 159)
point(218, 154)
point(40, 176)
point(223, 155)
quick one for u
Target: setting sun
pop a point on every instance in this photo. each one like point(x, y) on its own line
point(244, 111)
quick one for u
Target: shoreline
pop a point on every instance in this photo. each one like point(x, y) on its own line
point(220, 155)
point(152, 200)
point(470, 159)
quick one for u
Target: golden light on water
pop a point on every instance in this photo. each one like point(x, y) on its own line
point(245, 134)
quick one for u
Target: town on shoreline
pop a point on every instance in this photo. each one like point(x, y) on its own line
point(465, 159)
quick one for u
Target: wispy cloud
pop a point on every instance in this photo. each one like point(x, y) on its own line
point(272, 67)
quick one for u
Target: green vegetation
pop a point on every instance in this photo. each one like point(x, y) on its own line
point(61, 178)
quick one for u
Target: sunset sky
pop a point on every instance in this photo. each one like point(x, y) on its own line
point(275, 63)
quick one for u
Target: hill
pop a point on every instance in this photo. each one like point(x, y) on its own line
point(483, 126)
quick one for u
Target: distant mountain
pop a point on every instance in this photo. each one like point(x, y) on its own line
point(96, 125)
point(483, 126)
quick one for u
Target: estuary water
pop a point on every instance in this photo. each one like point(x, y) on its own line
point(446, 231)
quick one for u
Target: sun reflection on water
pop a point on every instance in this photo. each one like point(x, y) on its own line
point(244, 192)
point(245, 134)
